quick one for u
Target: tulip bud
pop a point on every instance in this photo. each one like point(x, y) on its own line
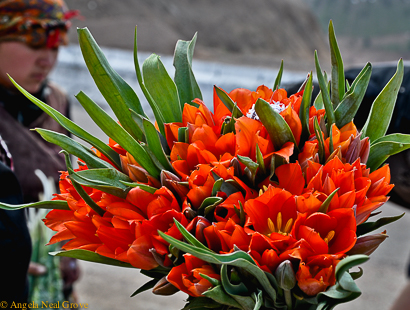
point(189, 213)
point(364, 150)
point(285, 275)
point(139, 173)
point(353, 150)
point(163, 287)
point(368, 244)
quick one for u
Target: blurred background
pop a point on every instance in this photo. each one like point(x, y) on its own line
point(240, 44)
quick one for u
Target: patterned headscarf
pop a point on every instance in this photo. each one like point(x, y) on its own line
point(38, 23)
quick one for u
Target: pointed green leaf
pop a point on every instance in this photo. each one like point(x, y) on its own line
point(162, 89)
point(325, 205)
point(213, 281)
point(118, 94)
point(349, 262)
point(325, 94)
point(331, 145)
point(217, 186)
point(112, 129)
point(238, 259)
point(346, 110)
point(220, 296)
point(183, 134)
point(367, 227)
point(80, 190)
point(106, 180)
point(74, 148)
point(279, 131)
point(154, 143)
point(386, 146)
point(226, 100)
point(155, 109)
point(356, 275)
point(338, 75)
point(251, 167)
point(211, 207)
point(236, 291)
point(91, 257)
point(259, 160)
point(73, 127)
point(319, 137)
point(382, 108)
point(304, 109)
point(144, 187)
point(278, 79)
point(52, 204)
point(209, 204)
point(147, 286)
point(187, 85)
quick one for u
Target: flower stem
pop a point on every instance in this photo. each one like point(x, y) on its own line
point(288, 299)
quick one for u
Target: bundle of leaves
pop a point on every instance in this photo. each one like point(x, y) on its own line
point(264, 203)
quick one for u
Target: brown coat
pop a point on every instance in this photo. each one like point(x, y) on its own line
point(29, 150)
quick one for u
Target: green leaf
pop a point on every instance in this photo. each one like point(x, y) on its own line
point(144, 187)
point(52, 204)
point(154, 143)
point(237, 292)
point(91, 257)
point(232, 289)
point(217, 186)
point(319, 137)
point(187, 85)
point(155, 109)
point(147, 286)
point(338, 75)
point(118, 134)
point(383, 147)
point(251, 167)
point(226, 100)
point(201, 303)
point(382, 108)
point(278, 79)
point(183, 134)
point(304, 109)
point(80, 190)
point(209, 204)
point(218, 294)
point(162, 89)
point(346, 110)
point(238, 259)
point(349, 262)
point(279, 131)
point(74, 148)
point(118, 94)
point(357, 274)
point(318, 103)
point(106, 180)
point(73, 127)
point(259, 160)
point(258, 300)
point(367, 227)
point(211, 280)
point(325, 205)
point(325, 94)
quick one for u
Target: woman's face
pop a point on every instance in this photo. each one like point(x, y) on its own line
point(29, 67)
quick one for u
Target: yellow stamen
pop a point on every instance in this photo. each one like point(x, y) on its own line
point(329, 236)
point(288, 226)
point(279, 221)
point(271, 226)
point(260, 192)
point(265, 188)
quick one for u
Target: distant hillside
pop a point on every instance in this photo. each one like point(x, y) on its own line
point(257, 32)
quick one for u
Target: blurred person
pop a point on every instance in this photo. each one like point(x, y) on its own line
point(31, 32)
point(30, 35)
point(15, 242)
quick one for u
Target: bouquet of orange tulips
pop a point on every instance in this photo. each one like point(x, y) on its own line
point(264, 203)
